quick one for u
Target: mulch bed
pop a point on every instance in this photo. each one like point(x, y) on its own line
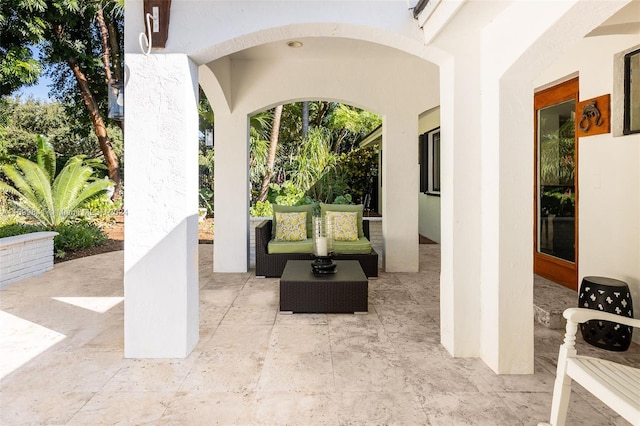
point(115, 233)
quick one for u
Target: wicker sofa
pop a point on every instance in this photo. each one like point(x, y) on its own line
point(272, 265)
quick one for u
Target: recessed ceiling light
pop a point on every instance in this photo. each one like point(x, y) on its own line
point(295, 44)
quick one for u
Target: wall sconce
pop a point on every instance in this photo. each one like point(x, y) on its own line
point(156, 32)
point(116, 101)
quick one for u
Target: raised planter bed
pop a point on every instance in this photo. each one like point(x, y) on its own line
point(26, 255)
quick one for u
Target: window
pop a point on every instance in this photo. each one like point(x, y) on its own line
point(632, 92)
point(430, 162)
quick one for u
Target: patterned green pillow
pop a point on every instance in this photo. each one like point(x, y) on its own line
point(324, 208)
point(290, 209)
point(291, 226)
point(345, 225)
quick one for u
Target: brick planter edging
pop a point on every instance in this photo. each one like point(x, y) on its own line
point(26, 255)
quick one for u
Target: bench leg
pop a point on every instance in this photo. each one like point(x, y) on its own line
point(561, 389)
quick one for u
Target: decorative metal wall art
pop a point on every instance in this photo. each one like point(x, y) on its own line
point(594, 116)
point(590, 111)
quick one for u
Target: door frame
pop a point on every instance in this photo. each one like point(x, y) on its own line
point(555, 269)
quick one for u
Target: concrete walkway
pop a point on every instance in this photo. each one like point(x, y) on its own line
point(62, 359)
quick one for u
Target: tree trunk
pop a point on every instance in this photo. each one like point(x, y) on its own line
point(338, 141)
point(104, 38)
point(271, 158)
point(114, 51)
point(305, 119)
point(99, 127)
point(324, 107)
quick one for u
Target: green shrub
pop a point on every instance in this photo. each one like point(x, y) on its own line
point(101, 209)
point(286, 194)
point(17, 229)
point(261, 209)
point(78, 236)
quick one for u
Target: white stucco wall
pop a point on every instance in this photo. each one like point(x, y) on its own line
point(161, 213)
point(608, 172)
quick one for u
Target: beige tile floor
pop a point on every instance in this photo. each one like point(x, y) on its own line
point(62, 359)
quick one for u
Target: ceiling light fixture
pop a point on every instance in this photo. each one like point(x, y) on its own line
point(294, 44)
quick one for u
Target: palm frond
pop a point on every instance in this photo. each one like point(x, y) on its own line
point(91, 191)
point(67, 187)
point(19, 182)
point(46, 156)
point(39, 181)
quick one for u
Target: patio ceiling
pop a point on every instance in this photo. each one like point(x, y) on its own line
point(318, 48)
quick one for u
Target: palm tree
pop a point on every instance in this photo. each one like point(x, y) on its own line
point(271, 157)
point(52, 202)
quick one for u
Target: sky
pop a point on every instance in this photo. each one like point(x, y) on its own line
point(39, 91)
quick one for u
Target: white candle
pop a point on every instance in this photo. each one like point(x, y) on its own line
point(321, 246)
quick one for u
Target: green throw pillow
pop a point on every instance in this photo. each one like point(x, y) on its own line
point(324, 208)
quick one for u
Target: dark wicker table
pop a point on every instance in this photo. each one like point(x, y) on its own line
point(346, 291)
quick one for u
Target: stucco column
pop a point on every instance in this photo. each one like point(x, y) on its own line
point(231, 202)
point(460, 202)
point(161, 201)
point(507, 225)
point(400, 188)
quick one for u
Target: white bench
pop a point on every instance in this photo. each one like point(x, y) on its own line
point(617, 385)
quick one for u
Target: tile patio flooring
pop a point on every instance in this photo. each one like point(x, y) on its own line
point(62, 359)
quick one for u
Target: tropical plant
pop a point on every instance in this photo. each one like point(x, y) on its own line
point(206, 199)
point(271, 153)
point(314, 159)
point(80, 43)
point(49, 201)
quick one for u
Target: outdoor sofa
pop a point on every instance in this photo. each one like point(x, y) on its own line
point(271, 264)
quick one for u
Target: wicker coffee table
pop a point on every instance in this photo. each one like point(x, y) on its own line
point(346, 291)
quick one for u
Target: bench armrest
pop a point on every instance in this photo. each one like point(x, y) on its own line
point(263, 236)
point(365, 229)
point(580, 315)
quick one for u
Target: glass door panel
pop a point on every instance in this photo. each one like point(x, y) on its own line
point(556, 211)
point(556, 181)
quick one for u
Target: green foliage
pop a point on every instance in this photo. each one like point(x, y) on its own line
point(17, 229)
point(359, 169)
point(20, 26)
point(261, 209)
point(206, 175)
point(559, 201)
point(206, 199)
point(71, 237)
point(76, 236)
point(17, 68)
point(101, 209)
point(314, 159)
point(330, 186)
point(313, 165)
point(286, 194)
point(24, 120)
point(51, 204)
point(354, 120)
point(46, 156)
point(343, 199)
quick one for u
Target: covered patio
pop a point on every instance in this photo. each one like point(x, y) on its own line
point(62, 361)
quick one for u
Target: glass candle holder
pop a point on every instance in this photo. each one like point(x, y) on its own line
point(323, 247)
point(322, 237)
